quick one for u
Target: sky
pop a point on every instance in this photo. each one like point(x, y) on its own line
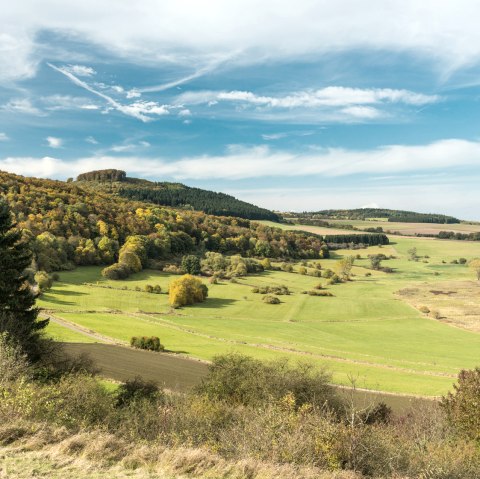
point(293, 106)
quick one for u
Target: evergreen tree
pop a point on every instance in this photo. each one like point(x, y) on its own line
point(18, 315)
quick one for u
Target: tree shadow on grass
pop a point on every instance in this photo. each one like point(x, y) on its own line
point(68, 292)
point(214, 303)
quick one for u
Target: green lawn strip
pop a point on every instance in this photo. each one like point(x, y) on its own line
point(64, 334)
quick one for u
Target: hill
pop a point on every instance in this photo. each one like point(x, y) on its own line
point(70, 223)
point(369, 213)
point(172, 194)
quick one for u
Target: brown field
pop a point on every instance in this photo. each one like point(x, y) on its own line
point(180, 374)
point(410, 229)
point(454, 302)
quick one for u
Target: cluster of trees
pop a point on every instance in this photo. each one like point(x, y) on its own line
point(68, 225)
point(357, 239)
point(216, 264)
point(391, 215)
point(202, 200)
point(148, 343)
point(103, 175)
point(459, 236)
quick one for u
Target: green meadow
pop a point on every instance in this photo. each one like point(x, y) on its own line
point(364, 334)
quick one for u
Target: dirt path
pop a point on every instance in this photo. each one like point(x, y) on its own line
point(81, 330)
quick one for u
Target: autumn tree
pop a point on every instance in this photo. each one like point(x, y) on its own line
point(475, 265)
point(186, 290)
point(344, 267)
point(18, 315)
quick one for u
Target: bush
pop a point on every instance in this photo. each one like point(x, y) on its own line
point(240, 379)
point(277, 290)
point(302, 270)
point(318, 286)
point(269, 299)
point(44, 281)
point(135, 390)
point(424, 309)
point(187, 290)
point(462, 405)
point(116, 271)
point(148, 288)
point(172, 269)
point(148, 343)
point(462, 260)
point(334, 279)
point(316, 292)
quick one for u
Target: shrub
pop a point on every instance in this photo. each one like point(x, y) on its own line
point(318, 286)
point(287, 267)
point(172, 269)
point(462, 260)
point(424, 309)
point(157, 289)
point(277, 290)
point(315, 273)
point(266, 264)
point(269, 299)
point(148, 343)
point(186, 290)
point(334, 279)
point(148, 288)
point(302, 270)
point(462, 405)
point(435, 314)
point(44, 281)
point(327, 273)
point(316, 292)
point(116, 271)
point(136, 389)
point(240, 379)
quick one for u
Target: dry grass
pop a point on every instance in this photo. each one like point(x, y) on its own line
point(28, 451)
point(453, 302)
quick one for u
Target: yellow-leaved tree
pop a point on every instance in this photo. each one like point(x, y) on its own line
point(186, 290)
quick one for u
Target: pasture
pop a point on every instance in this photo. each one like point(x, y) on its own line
point(365, 333)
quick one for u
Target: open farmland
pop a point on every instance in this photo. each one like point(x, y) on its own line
point(409, 229)
point(365, 331)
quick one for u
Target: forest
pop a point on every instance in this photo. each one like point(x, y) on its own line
point(175, 195)
point(68, 225)
point(366, 213)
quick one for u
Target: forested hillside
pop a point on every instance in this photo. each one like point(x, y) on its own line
point(367, 213)
point(173, 194)
point(68, 224)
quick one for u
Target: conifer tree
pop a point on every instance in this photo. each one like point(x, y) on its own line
point(18, 315)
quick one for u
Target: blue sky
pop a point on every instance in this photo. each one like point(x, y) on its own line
point(290, 105)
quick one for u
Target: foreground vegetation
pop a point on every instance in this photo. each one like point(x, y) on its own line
point(247, 419)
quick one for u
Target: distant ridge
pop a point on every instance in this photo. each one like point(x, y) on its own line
point(175, 195)
point(370, 213)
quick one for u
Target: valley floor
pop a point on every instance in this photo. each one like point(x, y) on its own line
point(365, 334)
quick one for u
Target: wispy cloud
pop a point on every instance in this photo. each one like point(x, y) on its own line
point(54, 142)
point(334, 103)
point(4, 137)
point(67, 102)
point(80, 70)
point(22, 106)
point(141, 110)
point(91, 140)
point(332, 96)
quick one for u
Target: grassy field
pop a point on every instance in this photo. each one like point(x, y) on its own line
point(365, 332)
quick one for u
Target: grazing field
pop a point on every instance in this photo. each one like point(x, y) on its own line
point(365, 332)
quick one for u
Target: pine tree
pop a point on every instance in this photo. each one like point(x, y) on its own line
point(18, 315)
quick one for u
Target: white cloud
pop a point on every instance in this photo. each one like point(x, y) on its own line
point(80, 70)
point(141, 110)
point(23, 106)
point(241, 163)
point(273, 136)
point(67, 102)
point(91, 140)
point(194, 33)
point(185, 112)
point(4, 137)
point(54, 142)
point(332, 96)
